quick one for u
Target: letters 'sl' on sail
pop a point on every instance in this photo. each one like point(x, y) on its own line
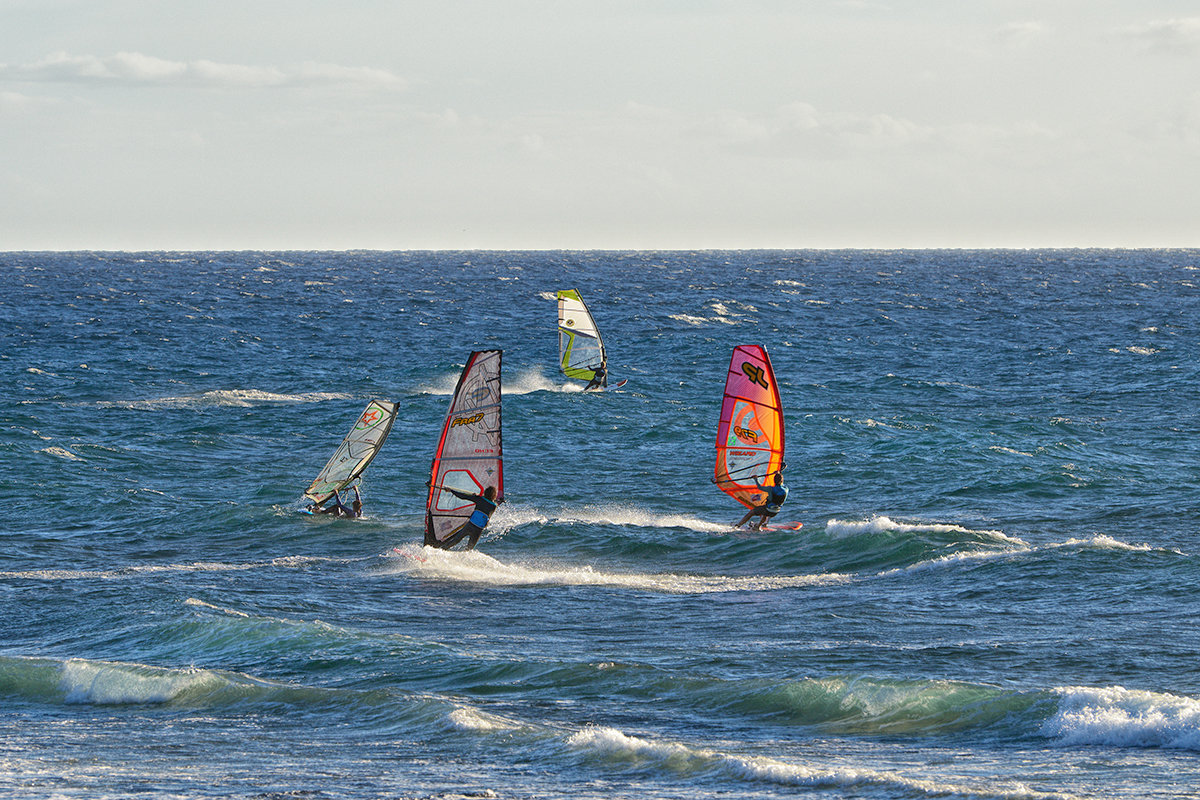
point(580, 349)
point(469, 456)
point(355, 452)
point(750, 431)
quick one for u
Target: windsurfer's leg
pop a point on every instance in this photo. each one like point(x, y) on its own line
point(454, 538)
point(460, 533)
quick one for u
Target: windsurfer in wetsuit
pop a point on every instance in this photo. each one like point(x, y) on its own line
point(771, 503)
point(485, 504)
point(339, 509)
point(599, 380)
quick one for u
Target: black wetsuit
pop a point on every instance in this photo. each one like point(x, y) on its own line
point(338, 509)
point(473, 527)
point(599, 379)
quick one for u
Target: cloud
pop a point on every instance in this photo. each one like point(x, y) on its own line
point(12, 102)
point(801, 131)
point(1168, 36)
point(1020, 33)
point(138, 69)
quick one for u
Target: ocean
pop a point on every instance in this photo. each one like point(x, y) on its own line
point(995, 455)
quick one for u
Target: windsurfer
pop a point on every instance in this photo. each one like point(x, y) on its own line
point(599, 380)
point(772, 502)
point(485, 504)
point(339, 509)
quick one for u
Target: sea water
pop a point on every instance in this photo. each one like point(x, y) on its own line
point(995, 455)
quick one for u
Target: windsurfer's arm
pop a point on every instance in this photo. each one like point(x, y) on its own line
point(458, 494)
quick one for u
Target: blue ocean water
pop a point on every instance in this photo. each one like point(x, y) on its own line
point(994, 454)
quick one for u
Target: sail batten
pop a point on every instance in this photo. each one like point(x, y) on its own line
point(469, 455)
point(750, 439)
point(580, 348)
point(356, 451)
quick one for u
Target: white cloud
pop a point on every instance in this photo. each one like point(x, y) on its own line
point(13, 102)
point(138, 69)
point(1021, 33)
point(800, 130)
point(1168, 36)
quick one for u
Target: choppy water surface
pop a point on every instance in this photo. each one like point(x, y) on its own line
point(994, 595)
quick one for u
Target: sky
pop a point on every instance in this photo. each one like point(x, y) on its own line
point(598, 124)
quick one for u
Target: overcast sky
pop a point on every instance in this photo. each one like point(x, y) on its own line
point(629, 124)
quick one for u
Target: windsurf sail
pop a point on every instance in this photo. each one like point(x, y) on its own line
point(355, 452)
point(469, 457)
point(750, 431)
point(580, 349)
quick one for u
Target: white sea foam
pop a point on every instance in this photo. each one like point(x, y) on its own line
point(950, 560)
point(1098, 542)
point(533, 380)
point(61, 453)
point(526, 382)
point(721, 314)
point(882, 524)
point(609, 514)
point(1124, 718)
point(1142, 351)
point(679, 758)
point(192, 601)
point(476, 567)
point(1103, 542)
point(240, 398)
point(289, 562)
point(472, 719)
point(1010, 450)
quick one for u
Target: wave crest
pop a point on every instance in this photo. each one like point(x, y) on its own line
point(475, 567)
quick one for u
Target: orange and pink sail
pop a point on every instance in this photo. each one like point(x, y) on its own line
point(750, 431)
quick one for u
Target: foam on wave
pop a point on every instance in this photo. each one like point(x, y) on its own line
point(525, 382)
point(612, 744)
point(883, 524)
point(476, 567)
point(1121, 717)
point(606, 514)
point(237, 398)
point(287, 562)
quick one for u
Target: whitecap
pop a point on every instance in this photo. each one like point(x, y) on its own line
point(1122, 717)
point(472, 719)
point(883, 524)
point(61, 453)
point(238, 398)
point(475, 567)
point(679, 758)
point(610, 514)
